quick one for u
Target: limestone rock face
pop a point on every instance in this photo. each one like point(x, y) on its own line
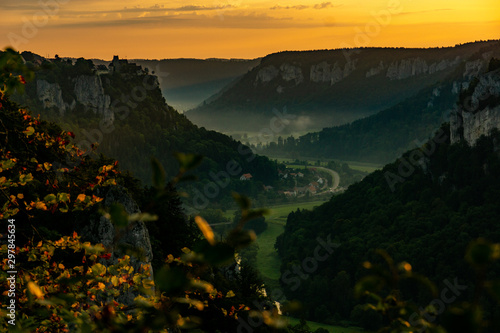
point(325, 72)
point(478, 113)
point(375, 70)
point(267, 74)
point(291, 73)
point(90, 92)
point(135, 237)
point(50, 95)
point(399, 70)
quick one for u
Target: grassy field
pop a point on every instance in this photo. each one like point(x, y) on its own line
point(268, 261)
point(362, 166)
point(279, 213)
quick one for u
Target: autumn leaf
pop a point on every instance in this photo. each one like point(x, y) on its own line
point(205, 229)
point(81, 197)
point(29, 131)
point(40, 205)
point(35, 290)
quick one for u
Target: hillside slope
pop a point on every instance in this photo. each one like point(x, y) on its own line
point(424, 208)
point(186, 83)
point(334, 87)
point(123, 110)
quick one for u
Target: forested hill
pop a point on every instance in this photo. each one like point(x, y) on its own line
point(383, 136)
point(122, 109)
point(379, 138)
point(424, 209)
point(328, 88)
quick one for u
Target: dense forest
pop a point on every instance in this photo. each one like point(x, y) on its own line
point(428, 219)
point(140, 124)
point(379, 138)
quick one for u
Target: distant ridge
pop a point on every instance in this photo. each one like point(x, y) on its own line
point(333, 87)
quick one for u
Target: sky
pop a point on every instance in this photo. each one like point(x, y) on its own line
point(155, 29)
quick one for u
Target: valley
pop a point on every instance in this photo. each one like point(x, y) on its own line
point(358, 193)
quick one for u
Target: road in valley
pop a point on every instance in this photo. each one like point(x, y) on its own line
point(335, 177)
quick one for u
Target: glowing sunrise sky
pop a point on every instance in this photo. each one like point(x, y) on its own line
point(237, 29)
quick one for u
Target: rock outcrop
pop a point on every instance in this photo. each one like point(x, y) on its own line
point(135, 237)
point(132, 240)
point(479, 110)
point(90, 92)
point(267, 74)
point(399, 70)
point(291, 73)
point(325, 72)
point(50, 94)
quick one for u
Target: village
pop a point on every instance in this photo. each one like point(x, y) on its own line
point(304, 181)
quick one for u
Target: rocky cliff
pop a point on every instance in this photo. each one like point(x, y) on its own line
point(86, 90)
point(90, 92)
point(132, 240)
point(479, 109)
point(334, 87)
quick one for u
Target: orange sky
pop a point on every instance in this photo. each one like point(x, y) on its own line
point(158, 29)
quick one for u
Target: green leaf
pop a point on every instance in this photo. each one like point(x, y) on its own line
point(118, 215)
point(98, 269)
point(62, 197)
point(481, 252)
point(171, 280)
point(187, 161)
point(241, 238)
point(7, 164)
point(242, 201)
point(368, 284)
point(255, 214)
point(218, 254)
point(144, 217)
point(159, 175)
point(24, 179)
point(50, 198)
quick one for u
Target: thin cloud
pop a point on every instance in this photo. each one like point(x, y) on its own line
point(246, 21)
point(298, 7)
point(322, 5)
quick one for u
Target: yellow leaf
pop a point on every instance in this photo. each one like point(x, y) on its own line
point(47, 165)
point(230, 294)
point(29, 131)
point(101, 286)
point(81, 197)
point(35, 290)
point(115, 281)
point(198, 304)
point(20, 196)
point(41, 205)
point(205, 229)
